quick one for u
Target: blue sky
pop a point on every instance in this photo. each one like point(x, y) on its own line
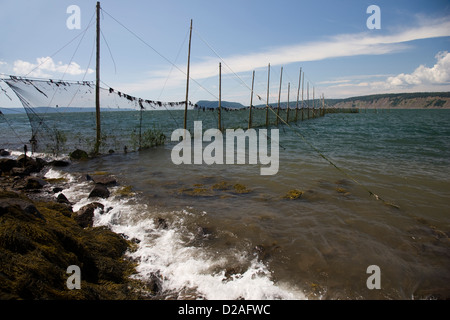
point(340, 56)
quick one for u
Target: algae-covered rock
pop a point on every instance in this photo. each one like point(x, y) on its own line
point(79, 155)
point(125, 191)
point(293, 194)
point(35, 253)
point(223, 185)
point(240, 188)
point(196, 192)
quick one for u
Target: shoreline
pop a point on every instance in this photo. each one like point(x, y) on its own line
point(41, 236)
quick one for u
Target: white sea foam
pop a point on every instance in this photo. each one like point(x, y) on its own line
point(185, 269)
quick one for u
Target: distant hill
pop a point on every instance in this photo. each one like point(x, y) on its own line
point(416, 100)
point(215, 104)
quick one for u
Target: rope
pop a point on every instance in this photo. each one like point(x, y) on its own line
point(377, 197)
point(11, 127)
point(158, 53)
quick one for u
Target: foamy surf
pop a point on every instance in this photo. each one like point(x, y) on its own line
point(185, 269)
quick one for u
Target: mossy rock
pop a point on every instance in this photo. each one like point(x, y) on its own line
point(293, 194)
point(341, 190)
point(100, 173)
point(125, 191)
point(222, 186)
point(56, 180)
point(240, 188)
point(35, 253)
point(196, 192)
point(79, 155)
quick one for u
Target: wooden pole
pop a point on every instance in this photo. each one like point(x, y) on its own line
point(187, 81)
point(323, 105)
point(298, 95)
point(287, 110)
point(303, 88)
point(251, 103)
point(307, 97)
point(220, 96)
point(97, 84)
point(279, 95)
point(314, 104)
point(267, 106)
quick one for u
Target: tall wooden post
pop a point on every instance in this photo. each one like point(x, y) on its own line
point(303, 89)
point(287, 109)
point(187, 81)
point(251, 103)
point(314, 104)
point(267, 106)
point(298, 95)
point(323, 105)
point(279, 95)
point(97, 84)
point(220, 96)
point(307, 97)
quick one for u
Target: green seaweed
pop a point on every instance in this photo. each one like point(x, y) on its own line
point(293, 194)
point(35, 251)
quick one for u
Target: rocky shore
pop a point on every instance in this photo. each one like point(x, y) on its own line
point(41, 236)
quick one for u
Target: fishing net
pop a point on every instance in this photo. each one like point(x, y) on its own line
point(63, 118)
point(62, 115)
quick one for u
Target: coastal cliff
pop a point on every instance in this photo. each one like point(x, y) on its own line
point(417, 100)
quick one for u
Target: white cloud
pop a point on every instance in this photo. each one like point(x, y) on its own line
point(435, 78)
point(438, 74)
point(45, 67)
point(343, 45)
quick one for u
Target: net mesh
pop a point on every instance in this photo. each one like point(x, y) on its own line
point(51, 105)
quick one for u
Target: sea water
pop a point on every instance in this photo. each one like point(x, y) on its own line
point(374, 187)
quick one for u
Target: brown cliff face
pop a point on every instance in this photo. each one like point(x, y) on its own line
point(397, 101)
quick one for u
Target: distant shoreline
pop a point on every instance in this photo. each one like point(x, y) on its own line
point(415, 100)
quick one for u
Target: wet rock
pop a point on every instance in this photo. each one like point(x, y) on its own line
point(12, 203)
point(34, 183)
point(161, 223)
point(19, 172)
point(232, 273)
point(63, 199)
point(241, 189)
point(4, 153)
point(84, 216)
point(222, 186)
point(293, 194)
point(30, 164)
point(7, 164)
point(57, 189)
point(59, 163)
point(264, 252)
point(155, 283)
point(100, 191)
point(79, 155)
point(105, 180)
point(203, 233)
